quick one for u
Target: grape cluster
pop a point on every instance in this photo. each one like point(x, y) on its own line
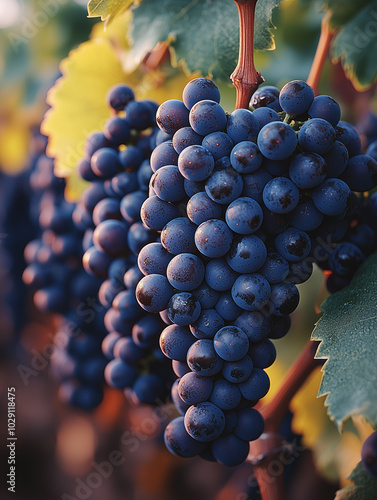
point(358, 242)
point(242, 203)
point(117, 164)
point(17, 228)
point(61, 286)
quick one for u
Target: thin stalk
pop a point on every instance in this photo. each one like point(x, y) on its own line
point(321, 54)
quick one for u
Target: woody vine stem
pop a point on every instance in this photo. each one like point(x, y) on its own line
point(245, 77)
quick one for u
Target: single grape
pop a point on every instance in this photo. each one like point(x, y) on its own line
point(256, 386)
point(172, 115)
point(156, 213)
point(277, 141)
point(105, 162)
point(163, 155)
point(250, 424)
point(194, 389)
point(204, 421)
point(117, 130)
point(296, 97)
point(255, 324)
point(178, 236)
point(242, 125)
point(361, 173)
point(225, 395)
point(307, 170)
point(183, 308)
point(267, 96)
point(196, 163)
point(317, 136)
point(280, 195)
point(185, 137)
point(153, 292)
point(348, 135)
point(175, 341)
point(237, 371)
point(153, 259)
point(244, 216)
point(325, 107)
point(332, 197)
point(213, 238)
point(219, 275)
point(207, 116)
point(293, 244)
point(203, 359)
point(201, 208)
point(179, 442)
point(168, 184)
point(200, 89)
point(218, 144)
point(227, 308)
point(254, 183)
point(224, 185)
point(251, 292)
point(230, 450)
point(247, 254)
point(231, 343)
point(346, 259)
point(275, 269)
point(185, 272)
point(245, 157)
point(208, 323)
point(265, 115)
point(306, 216)
point(284, 298)
point(119, 96)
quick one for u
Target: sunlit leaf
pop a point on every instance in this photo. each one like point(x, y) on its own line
point(348, 335)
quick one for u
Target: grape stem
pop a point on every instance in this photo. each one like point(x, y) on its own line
point(245, 77)
point(268, 448)
point(321, 54)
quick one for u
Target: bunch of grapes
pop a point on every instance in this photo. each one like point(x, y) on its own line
point(243, 203)
point(61, 286)
point(117, 165)
point(17, 228)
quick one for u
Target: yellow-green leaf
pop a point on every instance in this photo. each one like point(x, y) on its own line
point(77, 102)
point(108, 9)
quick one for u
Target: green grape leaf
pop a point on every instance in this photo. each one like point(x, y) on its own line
point(355, 46)
point(343, 11)
point(107, 9)
point(348, 335)
point(364, 486)
point(203, 35)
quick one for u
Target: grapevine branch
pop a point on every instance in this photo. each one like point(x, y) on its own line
point(267, 449)
point(321, 54)
point(245, 78)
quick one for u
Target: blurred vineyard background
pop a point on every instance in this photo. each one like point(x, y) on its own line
point(57, 445)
